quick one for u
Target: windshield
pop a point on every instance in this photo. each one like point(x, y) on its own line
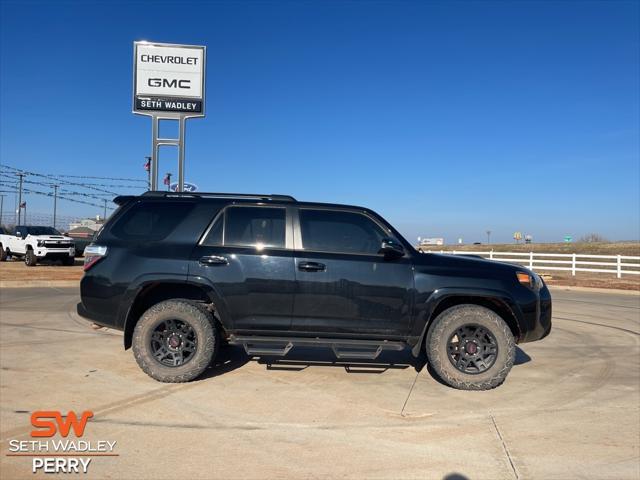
point(42, 231)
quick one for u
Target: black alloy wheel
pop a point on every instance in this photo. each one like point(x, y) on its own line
point(173, 343)
point(472, 349)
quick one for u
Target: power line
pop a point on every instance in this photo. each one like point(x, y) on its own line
point(81, 176)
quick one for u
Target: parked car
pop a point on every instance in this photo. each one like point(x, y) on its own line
point(36, 243)
point(180, 272)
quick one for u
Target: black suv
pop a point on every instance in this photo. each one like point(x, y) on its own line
point(180, 273)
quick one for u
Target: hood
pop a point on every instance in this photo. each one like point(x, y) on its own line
point(53, 238)
point(466, 262)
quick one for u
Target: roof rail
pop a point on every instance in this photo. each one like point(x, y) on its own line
point(250, 196)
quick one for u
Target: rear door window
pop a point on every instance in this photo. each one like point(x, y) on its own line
point(254, 226)
point(151, 221)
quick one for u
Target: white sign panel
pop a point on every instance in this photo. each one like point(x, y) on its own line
point(169, 78)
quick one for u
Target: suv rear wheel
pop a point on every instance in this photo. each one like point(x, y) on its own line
point(471, 347)
point(175, 341)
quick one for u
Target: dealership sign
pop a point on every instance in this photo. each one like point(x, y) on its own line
point(186, 187)
point(169, 78)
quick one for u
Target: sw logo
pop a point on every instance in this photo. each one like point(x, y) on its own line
point(61, 455)
point(48, 428)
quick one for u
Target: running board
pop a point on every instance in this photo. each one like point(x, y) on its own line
point(342, 348)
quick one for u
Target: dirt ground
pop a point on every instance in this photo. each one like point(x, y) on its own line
point(17, 271)
point(593, 248)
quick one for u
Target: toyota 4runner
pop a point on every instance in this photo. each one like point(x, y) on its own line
point(181, 272)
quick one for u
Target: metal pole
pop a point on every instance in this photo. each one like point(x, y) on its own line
point(169, 182)
point(55, 204)
point(148, 173)
point(182, 123)
point(104, 217)
point(1, 207)
point(154, 153)
point(20, 200)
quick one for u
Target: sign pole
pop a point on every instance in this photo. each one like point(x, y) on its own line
point(182, 121)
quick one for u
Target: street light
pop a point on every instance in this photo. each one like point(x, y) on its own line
point(488, 237)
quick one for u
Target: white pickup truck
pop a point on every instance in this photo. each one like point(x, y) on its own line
point(37, 243)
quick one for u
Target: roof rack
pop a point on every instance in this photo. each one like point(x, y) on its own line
point(250, 196)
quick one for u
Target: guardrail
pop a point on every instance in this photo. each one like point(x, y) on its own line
point(571, 262)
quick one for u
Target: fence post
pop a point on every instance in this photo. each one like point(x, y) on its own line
point(619, 266)
point(531, 260)
point(491, 254)
point(573, 265)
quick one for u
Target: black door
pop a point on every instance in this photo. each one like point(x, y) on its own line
point(247, 256)
point(343, 284)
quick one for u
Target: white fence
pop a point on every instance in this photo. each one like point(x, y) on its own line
point(570, 262)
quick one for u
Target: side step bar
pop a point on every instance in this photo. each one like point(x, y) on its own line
point(342, 348)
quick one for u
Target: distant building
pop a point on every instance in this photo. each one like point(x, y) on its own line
point(432, 241)
point(93, 224)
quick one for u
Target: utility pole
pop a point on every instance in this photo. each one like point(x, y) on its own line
point(21, 175)
point(1, 207)
point(104, 217)
point(168, 182)
point(489, 237)
point(55, 204)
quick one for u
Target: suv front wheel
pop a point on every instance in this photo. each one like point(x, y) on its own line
point(471, 347)
point(175, 341)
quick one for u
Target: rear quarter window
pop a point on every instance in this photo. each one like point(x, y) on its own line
point(150, 221)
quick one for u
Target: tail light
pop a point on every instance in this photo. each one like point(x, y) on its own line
point(93, 254)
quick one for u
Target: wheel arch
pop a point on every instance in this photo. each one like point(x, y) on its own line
point(155, 292)
point(498, 303)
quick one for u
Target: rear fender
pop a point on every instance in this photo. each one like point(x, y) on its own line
point(165, 287)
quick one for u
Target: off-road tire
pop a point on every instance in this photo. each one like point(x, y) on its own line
point(3, 253)
point(207, 340)
point(446, 324)
point(30, 258)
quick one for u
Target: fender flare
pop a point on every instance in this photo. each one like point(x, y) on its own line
point(424, 319)
point(141, 283)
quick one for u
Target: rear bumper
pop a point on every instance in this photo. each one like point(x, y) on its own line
point(94, 317)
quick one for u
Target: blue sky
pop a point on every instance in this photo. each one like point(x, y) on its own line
point(448, 118)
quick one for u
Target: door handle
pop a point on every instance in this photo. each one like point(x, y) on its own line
point(213, 260)
point(312, 267)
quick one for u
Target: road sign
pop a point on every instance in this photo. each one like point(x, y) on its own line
point(168, 78)
point(568, 238)
point(517, 236)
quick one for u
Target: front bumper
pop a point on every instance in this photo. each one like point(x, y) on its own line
point(536, 321)
point(55, 253)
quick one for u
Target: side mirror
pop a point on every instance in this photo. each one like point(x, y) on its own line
point(391, 249)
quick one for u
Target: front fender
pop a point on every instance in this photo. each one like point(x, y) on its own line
point(427, 304)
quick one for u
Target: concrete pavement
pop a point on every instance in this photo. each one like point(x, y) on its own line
point(570, 407)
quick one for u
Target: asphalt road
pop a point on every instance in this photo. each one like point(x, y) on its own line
point(569, 409)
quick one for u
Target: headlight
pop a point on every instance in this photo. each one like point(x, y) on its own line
point(41, 243)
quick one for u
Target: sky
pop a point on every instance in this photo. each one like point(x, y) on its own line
point(448, 118)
